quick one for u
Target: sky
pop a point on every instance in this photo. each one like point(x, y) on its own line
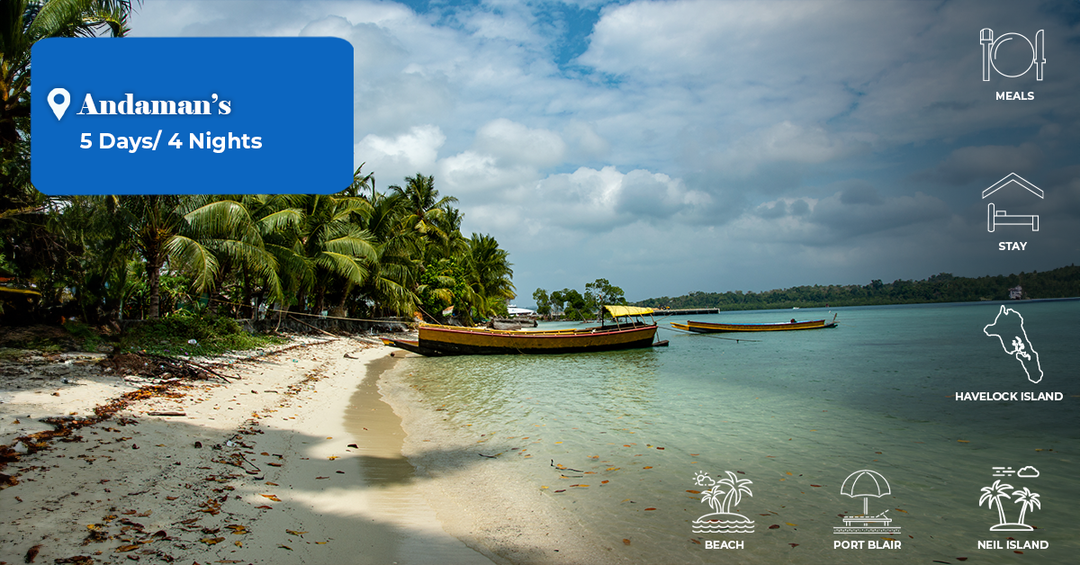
point(683, 146)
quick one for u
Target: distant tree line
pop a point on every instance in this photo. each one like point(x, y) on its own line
point(1063, 282)
point(569, 304)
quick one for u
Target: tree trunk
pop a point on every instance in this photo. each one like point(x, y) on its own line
point(153, 276)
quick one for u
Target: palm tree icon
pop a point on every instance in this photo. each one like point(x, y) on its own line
point(735, 491)
point(712, 496)
point(992, 496)
point(1029, 500)
point(723, 497)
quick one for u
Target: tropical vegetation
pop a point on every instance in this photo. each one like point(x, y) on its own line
point(99, 259)
point(569, 304)
point(343, 254)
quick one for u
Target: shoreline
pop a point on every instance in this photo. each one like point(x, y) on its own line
point(483, 500)
point(273, 466)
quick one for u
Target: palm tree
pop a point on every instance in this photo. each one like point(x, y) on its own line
point(226, 226)
point(736, 489)
point(992, 495)
point(423, 206)
point(1028, 499)
point(335, 248)
point(23, 23)
point(490, 275)
point(712, 496)
point(160, 233)
point(394, 273)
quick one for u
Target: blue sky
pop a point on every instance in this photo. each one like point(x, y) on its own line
point(706, 145)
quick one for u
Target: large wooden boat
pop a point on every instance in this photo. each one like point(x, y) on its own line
point(436, 340)
point(712, 327)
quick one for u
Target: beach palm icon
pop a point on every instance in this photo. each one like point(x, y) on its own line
point(995, 493)
point(723, 497)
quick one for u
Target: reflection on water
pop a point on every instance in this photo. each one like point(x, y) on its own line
point(618, 436)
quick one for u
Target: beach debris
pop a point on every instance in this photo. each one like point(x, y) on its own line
point(295, 533)
point(166, 413)
point(271, 497)
point(627, 542)
point(285, 547)
point(193, 341)
point(31, 553)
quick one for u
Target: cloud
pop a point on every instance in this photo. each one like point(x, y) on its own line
point(969, 164)
point(394, 158)
point(784, 142)
point(845, 216)
point(514, 144)
point(780, 137)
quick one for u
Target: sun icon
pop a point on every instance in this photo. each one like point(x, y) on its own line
point(701, 478)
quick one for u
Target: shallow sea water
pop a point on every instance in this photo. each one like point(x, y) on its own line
point(620, 437)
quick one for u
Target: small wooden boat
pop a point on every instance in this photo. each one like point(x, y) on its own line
point(711, 327)
point(437, 340)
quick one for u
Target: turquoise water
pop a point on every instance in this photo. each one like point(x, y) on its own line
point(795, 413)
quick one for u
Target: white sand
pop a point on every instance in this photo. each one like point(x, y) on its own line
point(143, 490)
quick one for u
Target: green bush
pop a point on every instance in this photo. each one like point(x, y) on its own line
point(213, 335)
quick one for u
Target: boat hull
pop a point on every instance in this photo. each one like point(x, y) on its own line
point(710, 327)
point(448, 340)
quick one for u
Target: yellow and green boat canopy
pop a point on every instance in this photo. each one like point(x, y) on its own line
point(620, 311)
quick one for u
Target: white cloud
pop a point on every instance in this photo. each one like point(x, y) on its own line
point(394, 158)
point(783, 142)
point(514, 144)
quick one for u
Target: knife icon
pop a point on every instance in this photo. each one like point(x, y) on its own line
point(1040, 55)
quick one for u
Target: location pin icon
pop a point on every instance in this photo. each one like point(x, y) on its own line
point(60, 107)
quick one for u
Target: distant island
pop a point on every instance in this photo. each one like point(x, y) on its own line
point(1063, 282)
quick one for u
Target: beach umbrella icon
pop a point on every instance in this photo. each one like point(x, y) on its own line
point(864, 484)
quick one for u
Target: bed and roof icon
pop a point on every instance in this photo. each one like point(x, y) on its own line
point(995, 217)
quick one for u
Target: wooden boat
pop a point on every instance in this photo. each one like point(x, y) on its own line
point(436, 340)
point(711, 327)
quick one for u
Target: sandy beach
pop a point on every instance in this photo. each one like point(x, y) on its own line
point(292, 457)
point(284, 461)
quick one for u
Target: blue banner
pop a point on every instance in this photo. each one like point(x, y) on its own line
point(192, 116)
